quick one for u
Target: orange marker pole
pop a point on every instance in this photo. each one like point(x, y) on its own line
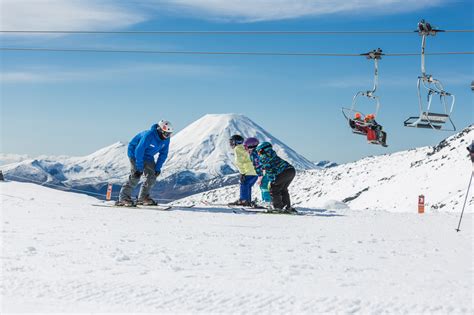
point(421, 204)
point(108, 196)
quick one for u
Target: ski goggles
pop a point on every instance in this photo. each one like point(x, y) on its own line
point(234, 143)
point(250, 147)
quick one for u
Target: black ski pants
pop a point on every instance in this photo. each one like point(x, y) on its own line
point(279, 189)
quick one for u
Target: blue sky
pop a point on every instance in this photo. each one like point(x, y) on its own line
point(76, 103)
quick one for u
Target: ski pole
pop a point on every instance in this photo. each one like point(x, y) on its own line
point(464, 206)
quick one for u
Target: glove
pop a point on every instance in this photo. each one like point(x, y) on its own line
point(137, 174)
point(259, 181)
point(242, 178)
point(157, 173)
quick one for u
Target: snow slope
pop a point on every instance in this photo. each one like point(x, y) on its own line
point(388, 182)
point(60, 254)
point(200, 159)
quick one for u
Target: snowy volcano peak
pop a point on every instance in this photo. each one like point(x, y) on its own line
point(203, 146)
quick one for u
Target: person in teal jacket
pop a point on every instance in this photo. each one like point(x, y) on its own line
point(250, 144)
point(248, 176)
point(141, 151)
point(280, 174)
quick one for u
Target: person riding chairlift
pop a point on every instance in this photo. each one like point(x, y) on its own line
point(375, 134)
point(369, 127)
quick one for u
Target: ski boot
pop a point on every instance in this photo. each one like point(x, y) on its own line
point(290, 210)
point(125, 203)
point(147, 202)
point(239, 202)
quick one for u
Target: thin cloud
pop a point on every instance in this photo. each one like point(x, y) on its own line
point(66, 15)
point(267, 10)
point(110, 15)
point(48, 75)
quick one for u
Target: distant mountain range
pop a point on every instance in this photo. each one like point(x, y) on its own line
point(6, 158)
point(390, 182)
point(200, 159)
point(325, 164)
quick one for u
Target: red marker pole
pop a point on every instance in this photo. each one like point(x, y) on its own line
point(108, 196)
point(421, 204)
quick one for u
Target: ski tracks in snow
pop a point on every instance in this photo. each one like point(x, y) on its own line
point(67, 256)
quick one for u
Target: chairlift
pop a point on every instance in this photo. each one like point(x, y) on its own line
point(428, 118)
point(365, 124)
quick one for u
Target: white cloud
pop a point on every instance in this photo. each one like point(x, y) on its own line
point(20, 77)
point(47, 75)
point(65, 15)
point(110, 14)
point(266, 10)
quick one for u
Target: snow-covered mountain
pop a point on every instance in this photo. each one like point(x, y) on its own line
point(200, 159)
point(6, 158)
point(388, 182)
point(203, 146)
point(325, 164)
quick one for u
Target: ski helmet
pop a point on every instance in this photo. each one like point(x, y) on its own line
point(236, 140)
point(262, 147)
point(369, 117)
point(251, 143)
point(165, 128)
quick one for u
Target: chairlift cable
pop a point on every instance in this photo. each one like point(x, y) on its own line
point(255, 53)
point(84, 32)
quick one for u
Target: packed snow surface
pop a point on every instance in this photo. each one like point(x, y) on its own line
point(61, 254)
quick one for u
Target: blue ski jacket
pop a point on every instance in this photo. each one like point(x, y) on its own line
point(271, 163)
point(145, 145)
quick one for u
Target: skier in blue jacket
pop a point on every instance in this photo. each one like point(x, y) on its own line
point(141, 151)
point(280, 175)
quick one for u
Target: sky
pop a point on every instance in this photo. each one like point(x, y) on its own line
point(74, 103)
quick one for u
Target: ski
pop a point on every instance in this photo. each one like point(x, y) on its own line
point(209, 204)
point(157, 207)
point(183, 206)
point(262, 210)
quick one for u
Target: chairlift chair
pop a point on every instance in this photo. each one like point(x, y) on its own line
point(427, 118)
point(358, 126)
